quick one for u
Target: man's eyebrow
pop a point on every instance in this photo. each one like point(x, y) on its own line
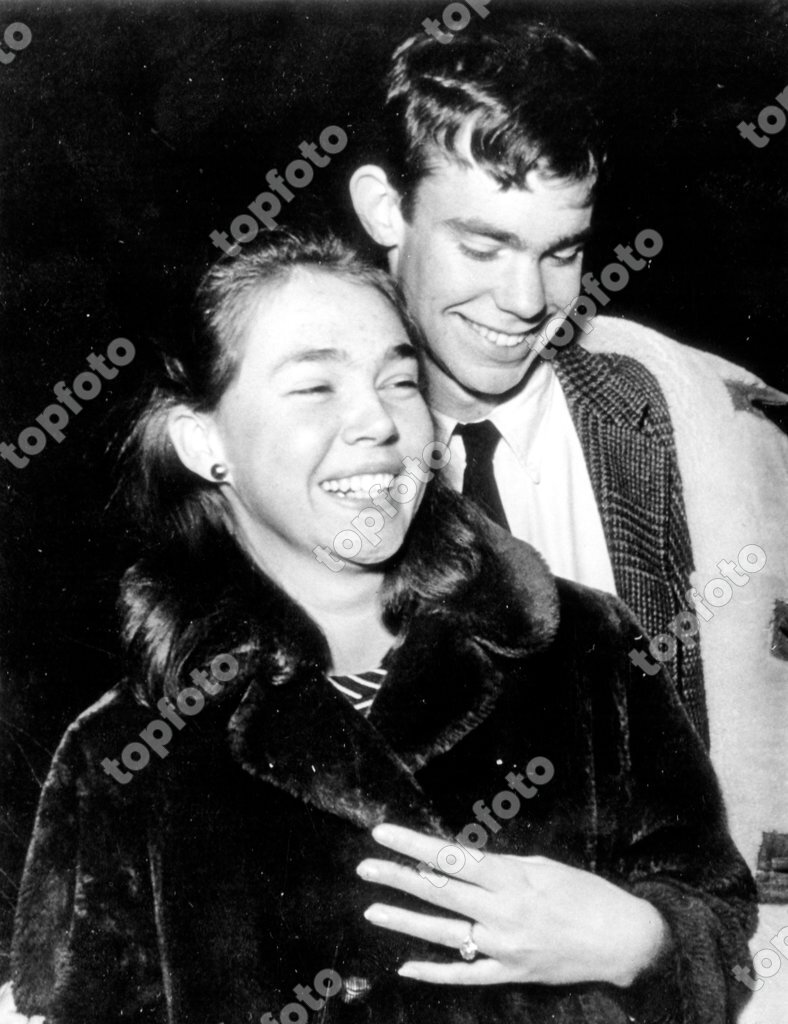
point(476, 226)
point(569, 241)
point(336, 355)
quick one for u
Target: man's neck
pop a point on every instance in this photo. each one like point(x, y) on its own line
point(451, 399)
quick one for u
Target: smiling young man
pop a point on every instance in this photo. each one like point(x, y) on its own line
point(633, 463)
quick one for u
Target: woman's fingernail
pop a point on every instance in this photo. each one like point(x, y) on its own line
point(367, 870)
point(408, 971)
point(377, 915)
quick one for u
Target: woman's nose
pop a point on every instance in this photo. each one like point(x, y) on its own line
point(368, 419)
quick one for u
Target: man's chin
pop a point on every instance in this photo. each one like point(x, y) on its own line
point(498, 384)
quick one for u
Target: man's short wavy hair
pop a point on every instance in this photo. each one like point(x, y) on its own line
point(531, 95)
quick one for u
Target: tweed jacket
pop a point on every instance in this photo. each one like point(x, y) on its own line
point(734, 469)
point(222, 876)
point(625, 431)
point(734, 479)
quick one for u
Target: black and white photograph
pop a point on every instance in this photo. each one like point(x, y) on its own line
point(393, 512)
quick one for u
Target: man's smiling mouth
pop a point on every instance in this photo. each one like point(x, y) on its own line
point(500, 338)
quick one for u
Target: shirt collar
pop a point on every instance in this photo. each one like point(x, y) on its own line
point(518, 418)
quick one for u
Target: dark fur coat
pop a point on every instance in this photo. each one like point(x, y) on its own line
point(223, 875)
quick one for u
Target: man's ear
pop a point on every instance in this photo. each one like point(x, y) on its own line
point(195, 441)
point(377, 205)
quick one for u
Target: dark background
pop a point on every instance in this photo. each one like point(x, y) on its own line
point(130, 131)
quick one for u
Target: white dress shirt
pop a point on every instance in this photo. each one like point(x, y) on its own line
point(543, 481)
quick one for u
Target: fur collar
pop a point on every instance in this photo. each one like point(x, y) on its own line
point(285, 725)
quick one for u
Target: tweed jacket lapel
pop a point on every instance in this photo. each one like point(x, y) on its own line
point(627, 461)
point(626, 434)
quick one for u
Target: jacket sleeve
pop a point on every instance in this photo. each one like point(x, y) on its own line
point(675, 852)
point(84, 947)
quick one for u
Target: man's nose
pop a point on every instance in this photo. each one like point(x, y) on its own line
point(367, 418)
point(520, 289)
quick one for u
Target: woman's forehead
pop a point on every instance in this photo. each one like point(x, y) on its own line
point(315, 315)
point(319, 306)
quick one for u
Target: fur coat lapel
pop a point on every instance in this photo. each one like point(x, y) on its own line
point(291, 729)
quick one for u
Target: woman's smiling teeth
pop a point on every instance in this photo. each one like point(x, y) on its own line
point(358, 486)
point(497, 337)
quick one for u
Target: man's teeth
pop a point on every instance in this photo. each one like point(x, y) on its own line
point(497, 337)
point(359, 485)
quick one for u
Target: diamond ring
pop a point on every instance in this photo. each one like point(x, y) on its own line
point(469, 949)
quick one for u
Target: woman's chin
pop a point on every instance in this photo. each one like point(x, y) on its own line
point(370, 558)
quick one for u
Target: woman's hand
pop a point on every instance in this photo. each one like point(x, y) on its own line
point(535, 920)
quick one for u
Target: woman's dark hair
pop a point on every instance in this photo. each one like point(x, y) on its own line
point(530, 94)
point(184, 520)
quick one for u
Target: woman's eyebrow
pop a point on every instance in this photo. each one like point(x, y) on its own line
point(313, 355)
point(337, 355)
point(402, 351)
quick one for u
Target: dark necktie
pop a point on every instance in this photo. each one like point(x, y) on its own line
point(481, 440)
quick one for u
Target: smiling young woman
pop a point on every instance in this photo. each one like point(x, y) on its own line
point(278, 840)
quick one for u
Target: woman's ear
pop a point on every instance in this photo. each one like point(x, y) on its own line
point(195, 441)
point(377, 205)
